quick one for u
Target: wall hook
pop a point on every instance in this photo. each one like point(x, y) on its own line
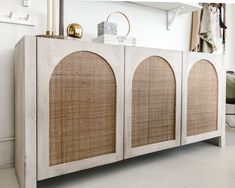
point(27, 17)
point(10, 15)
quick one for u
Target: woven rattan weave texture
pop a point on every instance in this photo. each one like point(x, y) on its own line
point(202, 104)
point(82, 107)
point(153, 102)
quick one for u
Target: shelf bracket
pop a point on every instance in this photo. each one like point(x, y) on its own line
point(171, 18)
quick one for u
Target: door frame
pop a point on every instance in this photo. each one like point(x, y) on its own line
point(133, 57)
point(190, 59)
point(49, 53)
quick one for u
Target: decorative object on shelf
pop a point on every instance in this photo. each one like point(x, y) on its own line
point(61, 19)
point(107, 28)
point(107, 32)
point(110, 27)
point(55, 19)
point(49, 17)
point(55, 16)
point(75, 30)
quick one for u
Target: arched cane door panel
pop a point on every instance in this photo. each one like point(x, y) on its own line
point(152, 97)
point(153, 102)
point(82, 108)
point(202, 99)
point(80, 101)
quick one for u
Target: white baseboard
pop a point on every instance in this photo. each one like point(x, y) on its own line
point(7, 153)
point(7, 139)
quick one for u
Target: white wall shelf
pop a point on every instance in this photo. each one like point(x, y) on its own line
point(173, 9)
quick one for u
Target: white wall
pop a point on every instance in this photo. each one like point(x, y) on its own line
point(9, 35)
point(230, 53)
point(230, 41)
point(148, 26)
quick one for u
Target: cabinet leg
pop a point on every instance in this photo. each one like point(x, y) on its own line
point(26, 182)
point(218, 141)
point(221, 141)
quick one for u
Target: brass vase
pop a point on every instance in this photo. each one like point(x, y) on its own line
point(75, 30)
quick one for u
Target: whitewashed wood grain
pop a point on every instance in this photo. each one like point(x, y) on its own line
point(25, 112)
point(223, 104)
point(133, 57)
point(189, 59)
point(50, 53)
point(35, 59)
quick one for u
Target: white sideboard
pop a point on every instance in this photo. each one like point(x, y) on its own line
point(82, 104)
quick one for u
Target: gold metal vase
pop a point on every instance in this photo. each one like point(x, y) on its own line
point(75, 30)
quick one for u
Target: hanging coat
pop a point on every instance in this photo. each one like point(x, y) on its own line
point(207, 42)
